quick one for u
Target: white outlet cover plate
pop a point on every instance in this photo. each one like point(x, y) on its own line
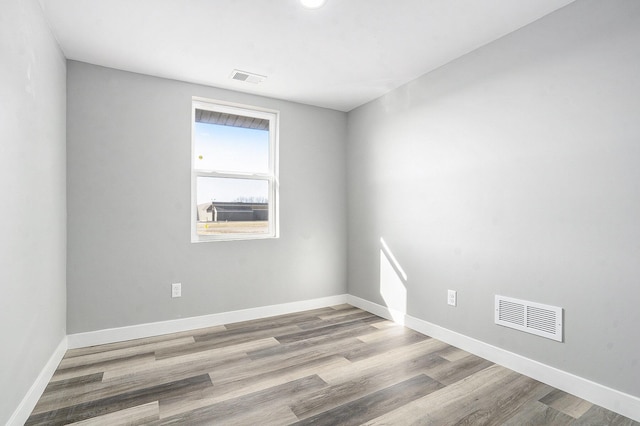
point(176, 290)
point(452, 298)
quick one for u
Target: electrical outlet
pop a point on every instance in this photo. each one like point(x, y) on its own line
point(452, 298)
point(176, 290)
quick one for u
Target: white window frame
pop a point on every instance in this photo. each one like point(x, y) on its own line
point(271, 176)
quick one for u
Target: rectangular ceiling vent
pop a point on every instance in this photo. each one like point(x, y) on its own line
point(535, 318)
point(247, 77)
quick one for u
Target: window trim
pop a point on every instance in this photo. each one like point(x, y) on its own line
point(271, 176)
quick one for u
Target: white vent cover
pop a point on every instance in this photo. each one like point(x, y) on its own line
point(247, 77)
point(530, 317)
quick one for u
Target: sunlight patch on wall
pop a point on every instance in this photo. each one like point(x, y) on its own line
point(392, 284)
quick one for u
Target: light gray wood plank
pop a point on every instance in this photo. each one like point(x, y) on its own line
point(323, 330)
point(120, 401)
point(453, 354)
point(276, 321)
point(454, 396)
point(341, 313)
point(364, 384)
point(457, 370)
point(327, 342)
point(536, 413)
point(136, 342)
point(566, 403)
point(265, 365)
point(343, 306)
point(386, 360)
point(598, 416)
point(164, 365)
point(238, 388)
point(497, 405)
point(108, 355)
point(372, 405)
point(134, 382)
point(223, 339)
point(134, 416)
point(381, 346)
point(235, 411)
point(100, 367)
point(386, 331)
point(326, 320)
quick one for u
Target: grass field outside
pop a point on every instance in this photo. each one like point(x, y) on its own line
point(217, 228)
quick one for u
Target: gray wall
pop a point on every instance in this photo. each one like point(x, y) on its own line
point(128, 154)
point(32, 200)
point(514, 170)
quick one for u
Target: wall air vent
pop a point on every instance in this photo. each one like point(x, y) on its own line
point(247, 77)
point(530, 317)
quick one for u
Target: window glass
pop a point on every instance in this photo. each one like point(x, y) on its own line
point(228, 148)
point(234, 172)
point(230, 205)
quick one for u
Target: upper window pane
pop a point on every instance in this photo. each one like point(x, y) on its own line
point(229, 148)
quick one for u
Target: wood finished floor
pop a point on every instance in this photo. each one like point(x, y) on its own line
point(329, 366)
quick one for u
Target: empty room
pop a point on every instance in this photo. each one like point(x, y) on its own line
point(340, 212)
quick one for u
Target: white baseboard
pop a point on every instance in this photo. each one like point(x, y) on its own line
point(120, 334)
point(28, 403)
point(611, 399)
point(22, 413)
point(620, 402)
point(374, 308)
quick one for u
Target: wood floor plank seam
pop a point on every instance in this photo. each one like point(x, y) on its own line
point(369, 406)
point(111, 404)
point(74, 352)
point(239, 388)
point(351, 390)
point(238, 350)
point(130, 362)
point(99, 357)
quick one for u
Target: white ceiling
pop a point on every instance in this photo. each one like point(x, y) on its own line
point(339, 56)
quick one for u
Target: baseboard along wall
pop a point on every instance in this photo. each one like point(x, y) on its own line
point(22, 413)
point(111, 335)
point(611, 399)
point(620, 402)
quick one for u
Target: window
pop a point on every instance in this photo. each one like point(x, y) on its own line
point(234, 172)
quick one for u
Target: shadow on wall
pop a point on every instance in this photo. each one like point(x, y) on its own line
point(392, 283)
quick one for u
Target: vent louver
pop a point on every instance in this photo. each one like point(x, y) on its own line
point(535, 318)
point(240, 76)
point(247, 77)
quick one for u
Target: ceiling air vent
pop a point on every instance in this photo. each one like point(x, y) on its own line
point(247, 77)
point(535, 318)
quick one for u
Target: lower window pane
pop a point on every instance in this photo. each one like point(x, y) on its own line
point(232, 206)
